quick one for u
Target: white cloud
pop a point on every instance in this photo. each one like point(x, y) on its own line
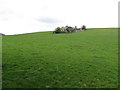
point(24, 16)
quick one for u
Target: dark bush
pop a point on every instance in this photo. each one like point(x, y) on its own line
point(59, 30)
point(70, 29)
point(83, 27)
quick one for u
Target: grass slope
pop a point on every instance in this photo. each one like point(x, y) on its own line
point(45, 60)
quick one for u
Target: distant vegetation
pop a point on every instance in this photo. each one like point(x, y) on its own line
point(69, 29)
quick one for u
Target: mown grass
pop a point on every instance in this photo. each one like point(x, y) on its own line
point(86, 59)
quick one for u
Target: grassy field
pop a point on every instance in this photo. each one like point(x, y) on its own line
point(86, 59)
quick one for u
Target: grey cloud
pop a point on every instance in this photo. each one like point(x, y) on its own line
point(48, 20)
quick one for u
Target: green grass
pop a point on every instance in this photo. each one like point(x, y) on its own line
point(0, 62)
point(86, 59)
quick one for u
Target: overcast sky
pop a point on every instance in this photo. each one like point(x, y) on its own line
point(25, 16)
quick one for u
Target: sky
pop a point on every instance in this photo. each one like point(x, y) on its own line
point(26, 16)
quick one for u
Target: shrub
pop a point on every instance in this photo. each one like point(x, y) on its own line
point(57, 30)
point(70, 29)
point(83, 27)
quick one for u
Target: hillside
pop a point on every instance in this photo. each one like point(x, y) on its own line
point(76, 60)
